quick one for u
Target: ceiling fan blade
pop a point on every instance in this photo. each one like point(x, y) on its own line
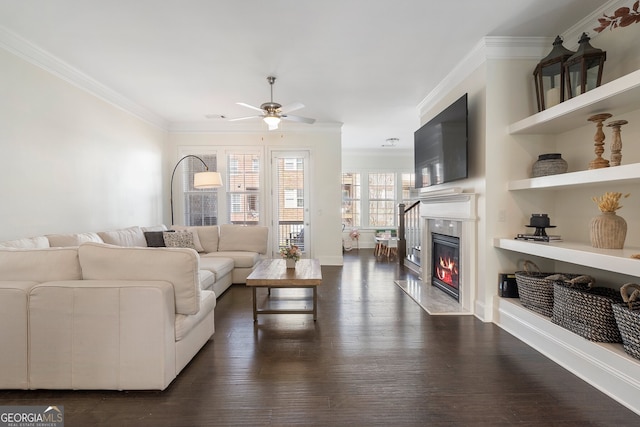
point(250, 106)
point(291, 107)
point(298, 119)
point(245, 118)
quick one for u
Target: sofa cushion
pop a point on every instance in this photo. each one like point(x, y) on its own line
point(184, 324)
point(159, 227)
point(26, 243)
point(132, 236)
point(252, 238)
point(66, 240)
point(14, 296)
point(196, 239)
point(179, 266)
point(208, 236)
point(179, 239)
point(241, 259)
point(207, 279)
point(40, 265)
point(218, 265)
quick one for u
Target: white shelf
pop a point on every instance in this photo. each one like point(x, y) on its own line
point(615, 260)
point(616, 97)
point(618, 174)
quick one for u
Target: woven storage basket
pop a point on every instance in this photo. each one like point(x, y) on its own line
point(628, 321)
point(586, 311)
point(536, 288)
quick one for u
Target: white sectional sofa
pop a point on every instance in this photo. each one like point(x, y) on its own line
point(228, 253)
point(102, 311)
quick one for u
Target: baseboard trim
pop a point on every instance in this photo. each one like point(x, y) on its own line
point(605, 366)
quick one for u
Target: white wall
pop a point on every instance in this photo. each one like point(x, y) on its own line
point(388, 160)
point(69, 161)
point(324, 144)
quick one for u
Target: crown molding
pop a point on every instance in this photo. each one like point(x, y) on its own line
point(256, 127)
point(514, 48)
point(33, 54)
point(487, 48)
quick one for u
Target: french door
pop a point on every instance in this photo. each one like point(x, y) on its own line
point(290, 200)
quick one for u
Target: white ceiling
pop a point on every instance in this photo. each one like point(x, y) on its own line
point(364, 63)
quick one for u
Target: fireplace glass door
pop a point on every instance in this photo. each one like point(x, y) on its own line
point(444, 266)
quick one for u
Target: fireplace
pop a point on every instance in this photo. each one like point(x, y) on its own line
point(445, 263)
point(452, 213)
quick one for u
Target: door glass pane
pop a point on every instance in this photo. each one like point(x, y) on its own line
point(290, 209)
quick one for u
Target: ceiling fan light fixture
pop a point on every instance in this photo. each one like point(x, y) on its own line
point(272, 121)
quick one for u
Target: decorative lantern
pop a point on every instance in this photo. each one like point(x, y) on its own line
point(583, 70)
point(549, 76)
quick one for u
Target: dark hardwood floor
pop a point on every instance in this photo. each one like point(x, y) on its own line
point(374, 357)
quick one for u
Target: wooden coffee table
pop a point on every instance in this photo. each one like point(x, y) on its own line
point(272, 273)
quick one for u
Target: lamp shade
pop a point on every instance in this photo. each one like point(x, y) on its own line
point(207, 180)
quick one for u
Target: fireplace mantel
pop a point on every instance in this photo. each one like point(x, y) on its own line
point(451, 204)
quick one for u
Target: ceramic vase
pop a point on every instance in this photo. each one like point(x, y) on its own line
point(549, 164)
point(291, 263)
point(608, 231)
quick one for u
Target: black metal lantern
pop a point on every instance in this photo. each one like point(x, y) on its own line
point(549, 76)
point(583, 70)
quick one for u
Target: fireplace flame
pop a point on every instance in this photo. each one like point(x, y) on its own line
point(446, 270)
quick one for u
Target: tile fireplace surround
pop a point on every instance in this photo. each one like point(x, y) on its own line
point(452, 213)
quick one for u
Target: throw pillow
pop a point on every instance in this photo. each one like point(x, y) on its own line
point(155, 239)
point(182, 239)
point(194, 231)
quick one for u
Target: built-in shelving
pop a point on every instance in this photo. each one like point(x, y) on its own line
point(587, 178)
point(617, 97)
point(616, 260)
point(605, 366)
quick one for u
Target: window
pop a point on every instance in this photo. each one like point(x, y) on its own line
point(370, 199)
point(408, 187)
point(243, 181)
point(382, 199)
point(293, 164)
point(200, 205)
point(351, 199)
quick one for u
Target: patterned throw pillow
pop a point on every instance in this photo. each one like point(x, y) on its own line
point(180, 239)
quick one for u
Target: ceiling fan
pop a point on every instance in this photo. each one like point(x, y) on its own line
point(272, 112)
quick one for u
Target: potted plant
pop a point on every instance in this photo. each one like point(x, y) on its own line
point(291, 255)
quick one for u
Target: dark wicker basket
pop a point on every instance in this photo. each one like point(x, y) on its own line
point(628, 320)
point(536, 288)
point(587, 311)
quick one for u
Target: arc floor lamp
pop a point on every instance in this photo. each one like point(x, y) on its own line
point(204, 179)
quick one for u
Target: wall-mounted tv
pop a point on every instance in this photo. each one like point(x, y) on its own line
point(440, 146)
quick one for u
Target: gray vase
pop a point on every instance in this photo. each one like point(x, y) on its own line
point(549, 164)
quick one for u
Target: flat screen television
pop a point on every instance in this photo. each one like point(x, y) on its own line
point(440, 146)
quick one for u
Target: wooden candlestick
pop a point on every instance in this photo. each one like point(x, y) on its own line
point(616, 144)
point(599, 162)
